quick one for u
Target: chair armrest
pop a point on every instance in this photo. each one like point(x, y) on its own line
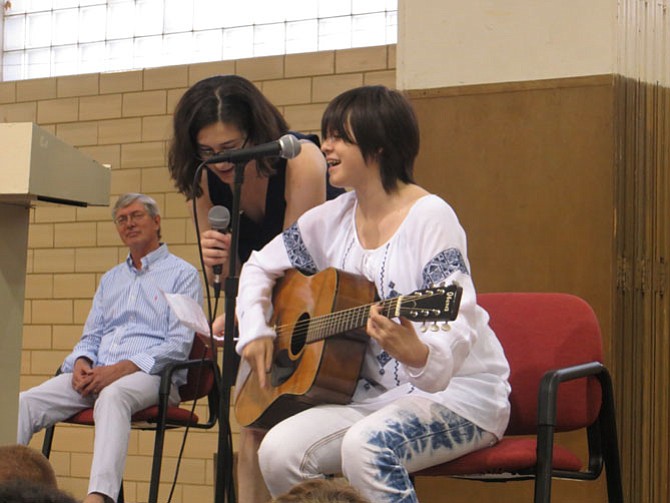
point(547, 394)
point(166, 374)
point(601, 435)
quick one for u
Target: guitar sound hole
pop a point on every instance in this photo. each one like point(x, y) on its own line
point(283, 367)
point(299, 336)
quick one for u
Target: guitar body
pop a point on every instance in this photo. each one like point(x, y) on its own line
point(307, 374)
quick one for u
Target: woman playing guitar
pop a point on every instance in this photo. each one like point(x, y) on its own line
point(421, 398)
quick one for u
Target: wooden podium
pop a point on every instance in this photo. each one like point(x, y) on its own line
point(34, 166)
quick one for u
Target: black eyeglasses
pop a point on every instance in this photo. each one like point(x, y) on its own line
point(205, 154)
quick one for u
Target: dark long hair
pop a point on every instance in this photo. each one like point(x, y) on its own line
point(230, 99)
point(382, 123)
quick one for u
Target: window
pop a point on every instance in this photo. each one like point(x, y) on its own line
point(45, 38)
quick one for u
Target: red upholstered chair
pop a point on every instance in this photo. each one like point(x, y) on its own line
point(202, 380)
point(553, 344)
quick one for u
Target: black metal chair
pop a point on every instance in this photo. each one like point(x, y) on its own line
point(203, 379)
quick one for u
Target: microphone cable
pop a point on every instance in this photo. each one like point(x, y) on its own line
point(228, 473)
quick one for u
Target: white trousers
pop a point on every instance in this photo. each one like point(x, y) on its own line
point(56, 400)
point(375, 450)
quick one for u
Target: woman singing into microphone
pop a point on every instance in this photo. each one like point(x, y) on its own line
point(217, 115)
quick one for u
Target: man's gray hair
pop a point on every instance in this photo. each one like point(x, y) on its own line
point(129, 198)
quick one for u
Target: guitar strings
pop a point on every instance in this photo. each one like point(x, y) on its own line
point(320, 327)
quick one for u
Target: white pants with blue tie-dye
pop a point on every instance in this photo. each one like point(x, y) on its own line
point(375, 451)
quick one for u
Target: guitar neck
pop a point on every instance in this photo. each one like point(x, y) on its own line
point(322, 327)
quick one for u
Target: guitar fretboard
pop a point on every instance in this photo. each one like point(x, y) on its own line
point(321, 327)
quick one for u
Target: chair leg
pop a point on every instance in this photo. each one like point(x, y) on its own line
point(156, 465)
point(543, 470)
point(48, 441)
point(609, 441)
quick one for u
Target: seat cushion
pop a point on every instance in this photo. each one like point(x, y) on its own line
point(510, 455)
point(175, 415)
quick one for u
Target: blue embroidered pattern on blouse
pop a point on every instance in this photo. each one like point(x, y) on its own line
point(393, 293)
point(383, 358)
point(442, 265)
point(297, 251)
point(346, 253)
point(395, 373)
point(382, 273)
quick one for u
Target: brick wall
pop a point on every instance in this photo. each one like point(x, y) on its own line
point(124, 119)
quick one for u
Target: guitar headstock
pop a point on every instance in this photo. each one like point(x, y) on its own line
point(439, 303)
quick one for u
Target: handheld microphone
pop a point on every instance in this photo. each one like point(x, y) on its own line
point(219, 219)
point(288, 146)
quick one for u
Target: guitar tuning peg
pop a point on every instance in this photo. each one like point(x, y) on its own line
point(446, 327)
point(423, 328)
point(434, 327)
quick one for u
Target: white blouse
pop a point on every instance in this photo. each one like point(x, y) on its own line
point(466, 369)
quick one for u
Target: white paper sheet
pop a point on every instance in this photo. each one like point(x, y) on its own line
point(189, 313)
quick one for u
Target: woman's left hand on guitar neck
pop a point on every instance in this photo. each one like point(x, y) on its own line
point(398, 339)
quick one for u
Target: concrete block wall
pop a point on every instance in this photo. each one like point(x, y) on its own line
point(124, 119)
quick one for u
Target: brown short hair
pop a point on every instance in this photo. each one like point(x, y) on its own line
point(321, 491)
point(382, 122)
point(19, 462)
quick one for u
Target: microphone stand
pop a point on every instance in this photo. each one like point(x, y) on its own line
point(224, 466)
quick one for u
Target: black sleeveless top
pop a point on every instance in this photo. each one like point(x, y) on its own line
point(255, 235)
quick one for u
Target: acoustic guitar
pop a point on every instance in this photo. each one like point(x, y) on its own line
point(321, 341)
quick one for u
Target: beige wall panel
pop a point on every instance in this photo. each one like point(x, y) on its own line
point(288, 91)
point(93, 213)
point(74, 234)
point(7, 92)
point(141, 155)
point(39, 286)
point(383, 78)
point(452, 43)
point(107, 106)
point(53, 260)
point(78, 133)
point(327, 87)
point(201, 71)
point(270, 67)
point(156, 128)
point(144, 103)
point(41, 236)
point(60, 110)
point(308, 64)
point(37, 337)
point(66, 336)
point(119, 130)
point(78, 85)
point(165, 77)
point(362, 59)
point(18, 112)
point(121, 82)
point(54, 213)
point(36, 89)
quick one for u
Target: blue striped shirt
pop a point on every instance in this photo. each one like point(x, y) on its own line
point(131, 320)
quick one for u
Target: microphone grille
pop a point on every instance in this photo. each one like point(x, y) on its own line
point(219, 217)
point(290, 146)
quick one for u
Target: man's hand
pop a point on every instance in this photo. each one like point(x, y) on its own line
point(100, 377)
point(81, 374)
